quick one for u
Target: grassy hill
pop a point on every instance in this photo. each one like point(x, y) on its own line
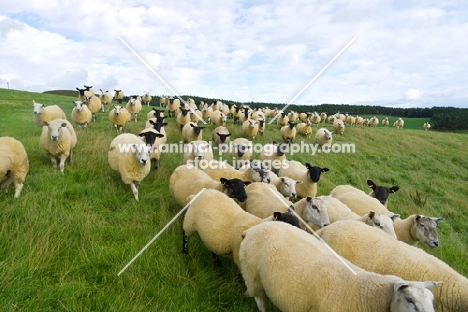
point(63, 241)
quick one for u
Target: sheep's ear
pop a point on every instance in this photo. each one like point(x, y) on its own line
point(276, 215)
point(430, 285)
point(308, 166)
point(437, 220)
point(165, 124)
point(325, 169)
point(202, 127)
point(308, 198)
point(34, 102)
point(393, 189)
point(246, 183)
point(191, 124)
point(417, 218)
point(45, 123)
point(298, 182)
point(398, 286)
point(151, 122)
point(371, 214)
point(223, 181)
point(142, 134)
point(395, 216)
point(371, 184)
point(159, 135)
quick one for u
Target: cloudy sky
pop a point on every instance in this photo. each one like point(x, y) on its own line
point(405, 53)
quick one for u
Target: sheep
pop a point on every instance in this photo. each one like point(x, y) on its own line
point(81, 114)
point(261, 126)
point(273, 155)
point(146, 98)
point(150, 136)
point(288, 132)
point(381, 192)
point(359, 121)
point(58, 138)
point(385, 122)
point(173, 106)
point(324, 136)
point(282, 120)
point(207, 111)
point(241, 151)
point(305, 129)
point(42, 113)
point(183, 117)
point(339, 126)
point(94, 105)
point(197, 150)
point(119, 95)
point(323, 117)
point(14, 164)
point(245, 113)
point(292, 115)
point(119, 117)
point(155, 113)
point(220, 135)
point(426, 126)
point(192, 132)
point(399, 123)
point(341, 189)
point(106, 100)
point(187, 180)
point(255, 171)
point(163, 101)
point(218, 118)
point(236, 115)
point(250, 128)
point(83, 94)
point(129, 156)
point(373, 122)
point(216, 105)
point(89, 89)
point(262, 203)
point(134, 107)
point(298, 273)
point(417, 228)
point(339, 211)
point(360, 203)
point(258, 114)
point(286, 186)
point(353, 241)
point(315, 119)
point(309, 175)
point(196, 115)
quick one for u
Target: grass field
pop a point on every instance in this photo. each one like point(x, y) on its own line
point(63, 241)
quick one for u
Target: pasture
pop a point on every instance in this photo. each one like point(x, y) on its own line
point(63, 241)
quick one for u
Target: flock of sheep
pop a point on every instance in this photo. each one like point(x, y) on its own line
point(238, 212)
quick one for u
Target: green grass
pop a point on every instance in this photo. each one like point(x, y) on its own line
point(63, 241)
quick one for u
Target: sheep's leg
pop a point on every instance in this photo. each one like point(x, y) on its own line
point(18, 188)
point(184, 243)
point(53, 161)
point(134, 188)
point(71, 157)
point(63, 157)
point(261, 304)
point(155, 164)
point(217, 261)
point(7, 182)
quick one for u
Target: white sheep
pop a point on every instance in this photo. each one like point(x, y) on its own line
point(106, 100)
point(134, 107)
point(58, 138)
point(196, 115)
point(187, 180)
point(192, 132)
point(43, 113)
point(129, 156)
point(361, 203)
point(339, 126)
point(399, 123)
point(324, 136)
point(197, 150)
point(309, 175)
point(286, 186)
point(207, 111)
point(292, 115)
point(262, 203)
point(315, 119)
point(341, 189)
point(218, 118)
point(389, 256)
point(426, 126)
point(250, 128)
point(241, 151)
point(81, 115)
point(373, 122)
point(173, 106)
point(119, 95)
point(220, 135)
point(255, 171)
point(381, 192)
point(94, 105)
point(288, 132)
point(274, 155)
point(282, 119)
point(359, 121)
point(298, 273)
point(418, 228)
point(385, 122)
point(153, 141)
point(14, 164)
point(305, 129)
point(146, 98)
point(219, 222)
point(119, 117)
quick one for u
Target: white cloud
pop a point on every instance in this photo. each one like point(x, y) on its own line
point(259, 51)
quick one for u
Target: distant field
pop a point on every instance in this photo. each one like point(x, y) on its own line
point(64, 240)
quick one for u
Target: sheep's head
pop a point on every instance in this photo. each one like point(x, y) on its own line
point(381, 192)
point(78, 105)
point(316, 211)
point(288, 187)
point(260, 171)
point(287, 217)
point(37, 108)
point(117, 109)
point(413, 296)
point(425, 229)
point(55, 129)
point(383, 222)
point(234, 188)
point(314, 172)
point(141, 153)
